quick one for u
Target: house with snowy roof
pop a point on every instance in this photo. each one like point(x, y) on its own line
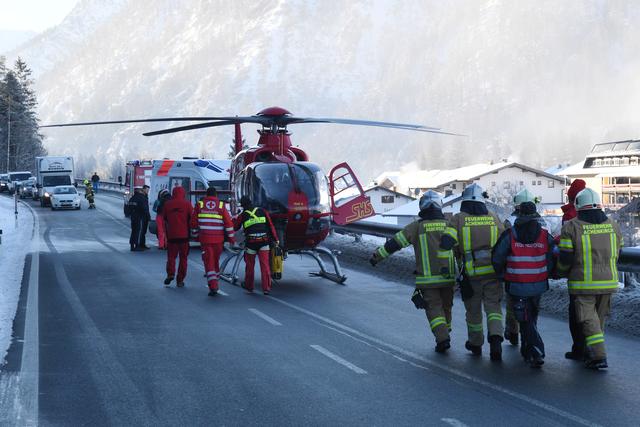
point(612, 169)
point(384, 199)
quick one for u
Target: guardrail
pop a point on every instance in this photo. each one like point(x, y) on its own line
point(112, 187)
point(629, 260)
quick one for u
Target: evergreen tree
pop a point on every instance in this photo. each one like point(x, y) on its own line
point(20, 141)
point(232, 148)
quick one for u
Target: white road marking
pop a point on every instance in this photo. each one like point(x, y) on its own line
point(456, 372)
point(269, 319)
point(453, 422)
point(30, 363)
point(223, 293)
point(338, 359)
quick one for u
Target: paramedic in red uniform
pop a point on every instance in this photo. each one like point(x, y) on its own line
point(177, 213)
point(211, 222)
point(258, 233)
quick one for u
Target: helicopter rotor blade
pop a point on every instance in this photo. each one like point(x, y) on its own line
point(190, 127)
point(232, 120)
point(356, 122)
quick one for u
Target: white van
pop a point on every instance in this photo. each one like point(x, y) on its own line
point(194, 175)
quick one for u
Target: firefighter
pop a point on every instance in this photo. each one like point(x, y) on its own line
point(435, 268)
point(258, 234)
point(569, 212)
point(212, 224)
point(88, 194)
point(138, 208)
point(524, 255)
point(589, 249)
point(512, 329)
point(472, 233)
point(176, 214)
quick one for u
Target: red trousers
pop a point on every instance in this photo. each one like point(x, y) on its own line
point(162, 235)
point(265, 269)
point(211, 257)
point(174, 250)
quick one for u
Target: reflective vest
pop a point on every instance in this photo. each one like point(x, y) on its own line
point(213, 221)
point(255, 225)
point(527, 262)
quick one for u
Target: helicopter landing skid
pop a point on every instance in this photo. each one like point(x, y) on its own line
point(337, 277)
point(234, 259)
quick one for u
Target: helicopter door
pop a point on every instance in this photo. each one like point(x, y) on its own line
point(348, 201)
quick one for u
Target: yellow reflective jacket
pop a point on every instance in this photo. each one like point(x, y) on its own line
point(595, 249)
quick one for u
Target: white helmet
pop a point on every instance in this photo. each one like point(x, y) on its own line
point(431, 199)
point(588, 199)
point(524, 196)
point(474, 193)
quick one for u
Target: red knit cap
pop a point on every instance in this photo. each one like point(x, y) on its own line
point(576, 186)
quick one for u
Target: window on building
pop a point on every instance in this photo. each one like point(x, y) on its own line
point(521, 183)
point(616, 161)
point(388, 199)
point(634, 161)
point(533, 182)
point(448, 193)
point(539, 182)
point(607, 161)
point(493, 183)
point(506, 185)
point(625, 161)
point(453, 186)
point(598, 163)
point(551, 183)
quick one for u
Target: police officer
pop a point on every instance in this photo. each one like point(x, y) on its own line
point(258, 233)
point(211, 222)
point(524, 255)
point(139, 215)
point(473, 232)
point(435, 268)
point(589, 249)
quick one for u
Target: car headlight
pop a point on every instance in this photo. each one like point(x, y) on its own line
point(46, 194)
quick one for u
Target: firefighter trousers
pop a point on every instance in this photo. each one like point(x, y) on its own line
point(575, 328)
point(487, 293)
point(438, 303)
point(591, 313)
point(265, 269)
point(175, 250)
point(211, 258)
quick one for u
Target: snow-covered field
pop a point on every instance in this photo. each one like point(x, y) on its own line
point(16, 233)
point(625, 310)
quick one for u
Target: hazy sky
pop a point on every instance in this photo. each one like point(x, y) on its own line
point(34, 15)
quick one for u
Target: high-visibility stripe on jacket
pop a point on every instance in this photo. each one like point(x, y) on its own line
point(435, 267)
point(475, 235)
point(257, 226)
point(595, 249)
point(527, 262)
point(212, 221)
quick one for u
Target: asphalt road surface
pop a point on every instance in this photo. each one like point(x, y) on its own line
point(101, 341)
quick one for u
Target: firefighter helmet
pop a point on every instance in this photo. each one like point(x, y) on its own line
point(431, 199)
point(524, 196)
point(588, 199)
point(474, 193)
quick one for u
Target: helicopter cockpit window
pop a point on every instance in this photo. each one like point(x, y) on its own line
point(272, 183)
point(344, 187)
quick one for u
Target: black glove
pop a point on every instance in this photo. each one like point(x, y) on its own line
point(466, 290)
point(418, 300)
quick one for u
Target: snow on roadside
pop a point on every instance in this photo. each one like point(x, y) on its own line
point(13, 250)
point(625, 307)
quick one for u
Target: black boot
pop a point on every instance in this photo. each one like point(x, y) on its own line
point(495, 347)
point(476, 350)
point(596, 364)
point(512, 338)
point(443, 346)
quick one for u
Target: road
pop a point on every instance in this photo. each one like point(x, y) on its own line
point(101, 341)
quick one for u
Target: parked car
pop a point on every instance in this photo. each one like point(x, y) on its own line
point(28, 188)
point(65, 197)
point(15, 178)
point(4, 182)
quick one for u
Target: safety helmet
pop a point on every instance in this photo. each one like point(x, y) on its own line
point(474, 193)
point(86, 182)
point(431, 199)
point(524, 195)
point(588, 199)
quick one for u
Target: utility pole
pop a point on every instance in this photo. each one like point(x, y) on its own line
point(8, 131)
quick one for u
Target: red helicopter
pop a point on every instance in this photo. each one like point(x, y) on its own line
point(280, 178)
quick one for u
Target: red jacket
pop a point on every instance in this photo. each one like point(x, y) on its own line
point(212, 221)
point(569, 212)
point(177, 213)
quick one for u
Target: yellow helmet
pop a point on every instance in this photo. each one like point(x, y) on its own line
point(86, 182)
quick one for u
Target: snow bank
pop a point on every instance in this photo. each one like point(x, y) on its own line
point(13, 250)
point(625, 310)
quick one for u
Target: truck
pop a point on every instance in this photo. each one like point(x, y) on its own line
point(138, 173)
point(52, 171)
